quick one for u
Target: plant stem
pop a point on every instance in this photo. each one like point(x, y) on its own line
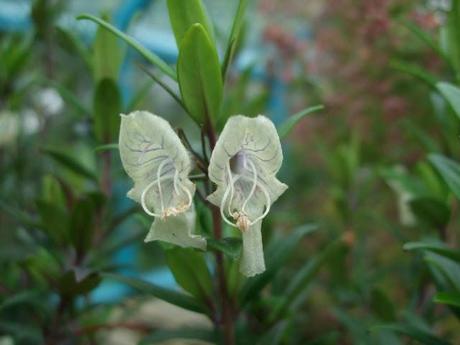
point(226, 303)
point(226, 307)
point(106, 180)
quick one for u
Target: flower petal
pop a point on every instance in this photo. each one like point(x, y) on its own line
point(243, 165)
point(177, 230)
point(157, 161)
point(252, 256)
point(150, 150)
point(254, 139)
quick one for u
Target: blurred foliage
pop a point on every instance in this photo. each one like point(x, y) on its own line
point(377, 171)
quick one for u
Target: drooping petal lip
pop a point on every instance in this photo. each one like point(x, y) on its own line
point(243, 166)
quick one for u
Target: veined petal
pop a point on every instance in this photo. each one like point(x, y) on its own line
point(252, 256)
point(177, 230)
point(244, 141)
point(243, 165)
point(154, 157)
point(159, 164)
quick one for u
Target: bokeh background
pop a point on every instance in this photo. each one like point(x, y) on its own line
point(358, 168)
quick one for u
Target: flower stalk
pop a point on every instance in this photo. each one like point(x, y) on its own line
point(227, 308)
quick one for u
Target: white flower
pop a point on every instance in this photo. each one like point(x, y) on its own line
point(243, 165)
point(154, 157)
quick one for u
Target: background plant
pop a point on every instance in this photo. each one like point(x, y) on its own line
point(376, 171)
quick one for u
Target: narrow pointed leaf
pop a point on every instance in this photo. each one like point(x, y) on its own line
point(106, 147)
point(107, 55)
point(449, 298)
point(107, 108)
point(190, 271)
point(199, 75)
point(173, 297)
point(277, 255)
point(229, 246)
point(415, 71)
point(449, 170)
point(427, 39)
point(28, 297)
point(438, 248)
point(414, 333)
point(452, 95)
point(238, 21)
point(287, 126)
point(147, 54)
point(69, 162)
point(183, 14)
point(431, 211)
point(301, 280)
point(73, 45)
point(451, 29)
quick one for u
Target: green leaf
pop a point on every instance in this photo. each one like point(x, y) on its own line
point(28, 297)
point(449, 298)
point(107, 109)
point(200, 81)
point(427, 39)
point(275, 334)
point(164, 86)
point(69, 162)
point(78, 282)
point(173, 297)
point(18, 215)
point(106, 147)
point(303, 277)
point(433, 212)
point(277, 254)
point(415, 71)
point(23, 333)
point(161, 336)
point(382, 306)
point(452, 35)
point(52, 191)
point(445, 272)
point(287, 126)
point(433, 181)
point(230, 246)
point(82, 224)
point(70, 98)
point(107, 55)
point(73, 45)
point(415, 333)
point(449, 170)
point(451, 94)
point(438, 248)
point(233, 39)
point(54, 221)
point(184, 14)
point(190, 271)
point(147, 54)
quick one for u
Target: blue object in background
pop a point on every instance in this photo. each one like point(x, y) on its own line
point(128, 8)
point(277, 103)
point(15, 15)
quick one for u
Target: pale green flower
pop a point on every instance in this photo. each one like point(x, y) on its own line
point(159, 164)
point(243, 165)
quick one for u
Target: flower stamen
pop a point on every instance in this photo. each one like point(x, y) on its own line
point(254, 185)
point(242, 220)
point(177, 184)
point(224, 200)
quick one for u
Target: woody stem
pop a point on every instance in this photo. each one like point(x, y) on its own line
point(226, 318)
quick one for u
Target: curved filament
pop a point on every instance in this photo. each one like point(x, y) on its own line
point(254, 184)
